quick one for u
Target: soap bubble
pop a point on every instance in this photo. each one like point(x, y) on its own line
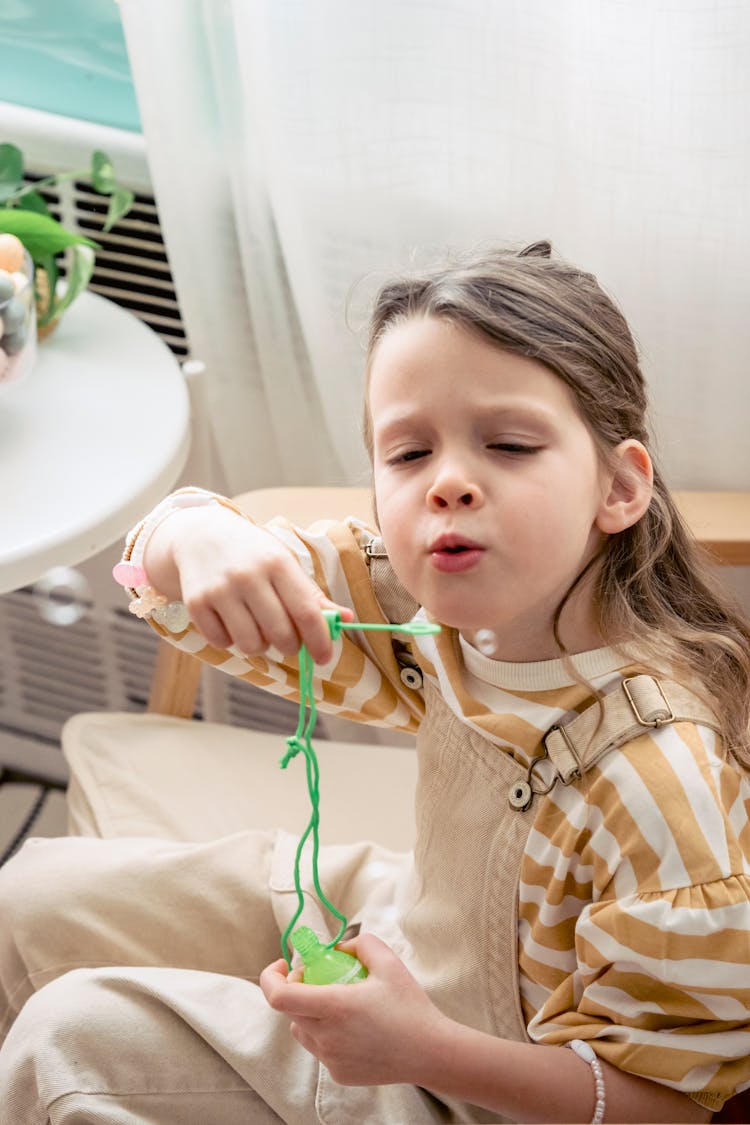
point(486, 641)
point(62, 596)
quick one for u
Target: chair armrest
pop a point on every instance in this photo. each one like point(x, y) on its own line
point(720, 521)
point(175, 682)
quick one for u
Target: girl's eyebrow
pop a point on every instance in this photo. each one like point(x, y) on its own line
point(497, 413)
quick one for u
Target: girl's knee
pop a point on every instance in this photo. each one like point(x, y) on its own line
point(106, 1030)
point(34, 885)
point(77, 1033)
point(45, 1054)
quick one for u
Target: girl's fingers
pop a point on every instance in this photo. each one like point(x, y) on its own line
point(303, 602)
point(305, 1003)
point(276, 607)
point(276, 617)
point(210, 625)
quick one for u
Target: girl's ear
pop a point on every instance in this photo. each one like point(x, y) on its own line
point(627, 488)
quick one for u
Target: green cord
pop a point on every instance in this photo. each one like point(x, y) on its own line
point(301, 742)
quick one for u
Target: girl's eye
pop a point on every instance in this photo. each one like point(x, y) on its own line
point(514, 447)
point(410, 455)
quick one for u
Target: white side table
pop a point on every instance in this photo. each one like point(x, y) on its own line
point(94, 436)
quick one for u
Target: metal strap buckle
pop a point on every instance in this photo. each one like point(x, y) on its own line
point(560, 728)
point(374, 553)
point(662, 720)
point(522, 793)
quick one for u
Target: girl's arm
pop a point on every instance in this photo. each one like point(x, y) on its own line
point(385, 1030)
point(240, 585)
point(254, 595)
point(531, 1082)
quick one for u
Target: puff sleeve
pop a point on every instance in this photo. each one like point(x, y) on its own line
point(641, 943)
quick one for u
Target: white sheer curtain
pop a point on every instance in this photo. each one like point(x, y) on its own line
point(299, 148)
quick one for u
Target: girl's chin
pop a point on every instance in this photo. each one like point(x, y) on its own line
point(466, 626)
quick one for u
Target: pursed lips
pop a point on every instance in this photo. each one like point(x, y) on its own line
point(453, 554)
point(453, 543)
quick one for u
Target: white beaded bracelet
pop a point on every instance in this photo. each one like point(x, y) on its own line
point(129, 572)
point(586, 1052)
point(138, 537)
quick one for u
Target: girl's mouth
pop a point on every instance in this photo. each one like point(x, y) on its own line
point(453, 555)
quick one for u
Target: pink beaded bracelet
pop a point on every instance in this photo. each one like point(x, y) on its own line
point(134, 578)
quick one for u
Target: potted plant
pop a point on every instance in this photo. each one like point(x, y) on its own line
point(24, 216)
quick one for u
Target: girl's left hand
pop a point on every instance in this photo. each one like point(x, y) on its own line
point(368, 1033)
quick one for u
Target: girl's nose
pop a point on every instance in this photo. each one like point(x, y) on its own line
point(453, 490)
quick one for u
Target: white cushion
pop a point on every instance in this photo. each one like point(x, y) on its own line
point(154, 775)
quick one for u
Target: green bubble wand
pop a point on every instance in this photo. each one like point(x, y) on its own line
point(301, 742)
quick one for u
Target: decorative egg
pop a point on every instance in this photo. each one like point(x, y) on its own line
point(14, 315)
point(11, 253)
point(16, 312)
point(15, 342)
point(7, 288)
point(21, 283)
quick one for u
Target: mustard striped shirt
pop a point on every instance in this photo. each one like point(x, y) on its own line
point(634, 911)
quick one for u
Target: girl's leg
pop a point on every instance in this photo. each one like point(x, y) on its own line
point(156, 1046)
point(146, 1046)
point(84, 902)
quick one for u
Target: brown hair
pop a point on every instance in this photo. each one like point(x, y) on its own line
point(652, 581)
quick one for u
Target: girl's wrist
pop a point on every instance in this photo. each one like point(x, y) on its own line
point(435, 1059)
point(141, 569)
point(156, 590)
point(138, 539)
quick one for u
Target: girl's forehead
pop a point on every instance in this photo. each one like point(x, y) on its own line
point(423, 359)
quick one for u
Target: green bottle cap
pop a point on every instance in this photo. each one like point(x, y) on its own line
point(324, 965)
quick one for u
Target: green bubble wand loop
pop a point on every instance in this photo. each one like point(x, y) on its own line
point(301, 742)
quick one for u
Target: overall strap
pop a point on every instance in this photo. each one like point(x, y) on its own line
point(396, 603)
point(638, 704)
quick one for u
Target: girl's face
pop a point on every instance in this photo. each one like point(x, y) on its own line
point(488, 486)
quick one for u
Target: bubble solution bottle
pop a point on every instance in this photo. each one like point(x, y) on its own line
point(324, 965)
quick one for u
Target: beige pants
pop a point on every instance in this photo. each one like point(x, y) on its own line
point(128, 991)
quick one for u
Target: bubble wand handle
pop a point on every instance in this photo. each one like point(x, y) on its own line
point(412, 628)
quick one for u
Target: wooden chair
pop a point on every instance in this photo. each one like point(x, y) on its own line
point(720, 521)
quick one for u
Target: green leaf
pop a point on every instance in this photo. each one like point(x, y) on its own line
point(119, 205)
point(79, 275)
point(11, 165)
point(40, 234)
point(6, 191)
point(103, 173)
point(33, 201)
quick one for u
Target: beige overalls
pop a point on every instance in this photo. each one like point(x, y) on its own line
point(190, 1040)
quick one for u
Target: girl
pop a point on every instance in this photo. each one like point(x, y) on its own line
point(581, 871)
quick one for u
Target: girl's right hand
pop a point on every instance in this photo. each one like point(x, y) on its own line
point(240, 585)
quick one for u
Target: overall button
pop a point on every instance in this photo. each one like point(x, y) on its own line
point(412, 677)
point(520, 796)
